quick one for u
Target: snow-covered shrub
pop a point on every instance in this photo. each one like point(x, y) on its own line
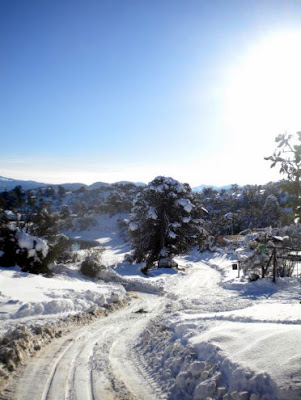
point(66, 221)
point(117, 201)
point(59, 249)
point(32, 253)
point(20, 248)
point(91, 265)
point(166, 220)
point(268, 254)
point(44, 224)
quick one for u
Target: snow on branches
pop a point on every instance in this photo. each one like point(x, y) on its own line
point(166, 218)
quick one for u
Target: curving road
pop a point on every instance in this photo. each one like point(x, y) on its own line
point(95, 362)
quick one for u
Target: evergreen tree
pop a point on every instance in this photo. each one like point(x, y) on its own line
point(271, 211)
point(61, 192)
point(165, 220)
point(66, 217)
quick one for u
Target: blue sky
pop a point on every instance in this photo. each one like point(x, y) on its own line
point(127, 90)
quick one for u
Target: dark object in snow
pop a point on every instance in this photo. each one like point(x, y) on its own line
point(141, 311)
point(253, 277)
point(294, 256)
point(128, 258)
point(167, 263)
point(144, 270)
point(234, 266)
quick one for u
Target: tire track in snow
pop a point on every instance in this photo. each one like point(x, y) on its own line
point(95, 362)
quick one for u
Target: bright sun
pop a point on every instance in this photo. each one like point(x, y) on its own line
point(264, 96)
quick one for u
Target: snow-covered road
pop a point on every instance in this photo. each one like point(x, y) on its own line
point(94, 362)
point(198, 288)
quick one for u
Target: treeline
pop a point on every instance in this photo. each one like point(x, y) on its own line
point(110, 199)
point(246, 207)
point(32, 221)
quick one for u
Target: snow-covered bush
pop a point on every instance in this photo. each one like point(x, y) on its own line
point(165, 220)
point(269, 254)
point(31, 251)
point(59, 249)
point(255, 263)
point(44, 223)
point(117, 201)
point(91, 265)
point(66, 218)
point(20, 248)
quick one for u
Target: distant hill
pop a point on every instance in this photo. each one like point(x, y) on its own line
point(9, 184)
point(72, 186)
point(218, 188)
point(127, 182)
point(97, 185)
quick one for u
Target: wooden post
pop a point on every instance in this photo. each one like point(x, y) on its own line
point(274, 264)
point(264, 269)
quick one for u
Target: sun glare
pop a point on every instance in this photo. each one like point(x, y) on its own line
point(264, 96)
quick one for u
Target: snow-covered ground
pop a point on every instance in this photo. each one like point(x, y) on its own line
point(27, 297)
point(250, 330)
point(197, 333)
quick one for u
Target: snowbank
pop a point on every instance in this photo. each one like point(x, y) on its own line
point(188, 370)
point(25, 295)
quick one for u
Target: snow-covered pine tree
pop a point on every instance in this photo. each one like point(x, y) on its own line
point(166, 220)
point(271, 211)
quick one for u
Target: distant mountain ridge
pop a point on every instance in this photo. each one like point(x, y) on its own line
point(10, 183)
